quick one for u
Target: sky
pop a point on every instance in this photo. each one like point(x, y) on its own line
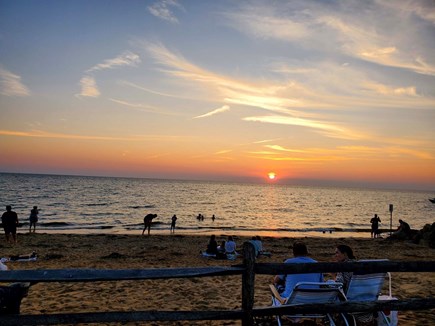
point(318, 92)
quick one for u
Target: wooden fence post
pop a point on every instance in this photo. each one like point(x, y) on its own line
point(248, 283)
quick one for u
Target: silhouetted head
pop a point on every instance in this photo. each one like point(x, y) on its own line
point(300, 249)
point(8, 208)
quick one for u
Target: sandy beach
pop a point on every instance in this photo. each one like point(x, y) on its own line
point(57, 251)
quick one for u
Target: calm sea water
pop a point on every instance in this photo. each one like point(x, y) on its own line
point(72, 204)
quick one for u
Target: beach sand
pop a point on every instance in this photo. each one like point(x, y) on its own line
point(57, 251)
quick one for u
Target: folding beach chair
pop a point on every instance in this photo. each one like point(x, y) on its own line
point(365, 287)
point(310, 292)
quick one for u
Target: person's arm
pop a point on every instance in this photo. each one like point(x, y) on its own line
point(276, 294)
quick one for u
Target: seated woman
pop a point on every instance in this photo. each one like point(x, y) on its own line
point(343, 253)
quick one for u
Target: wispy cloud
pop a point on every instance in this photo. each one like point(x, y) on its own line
point(163, 10)
point(217, 111)
point(325, 86)
point(89, 87)
point(88, 83)
point(387, 90)
point(340, 153)
point(140, 106)
point(148, 90)
point(11, 85)
point(324, 28)
point(267, 22)
point(125, 59)
point(327, 129)
point(46, 134)
point(261, 95)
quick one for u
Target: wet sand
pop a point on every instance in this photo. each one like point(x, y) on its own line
point(105, 251)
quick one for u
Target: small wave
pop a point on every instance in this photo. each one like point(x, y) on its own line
point(97, 204)
point(55, 224)
point(141, 206)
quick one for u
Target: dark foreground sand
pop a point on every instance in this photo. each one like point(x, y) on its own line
point(57, 251)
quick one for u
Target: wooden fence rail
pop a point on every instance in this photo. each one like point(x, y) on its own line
point(247, 270)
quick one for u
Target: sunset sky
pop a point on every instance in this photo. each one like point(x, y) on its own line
point(327, 92)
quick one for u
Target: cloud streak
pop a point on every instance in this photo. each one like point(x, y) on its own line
point(88, 84)
point(125, 59)
point(45, 134)
point(11, 85)
point(222, 109)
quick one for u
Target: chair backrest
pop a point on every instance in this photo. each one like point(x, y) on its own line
point(365, 287)
point(315, 292)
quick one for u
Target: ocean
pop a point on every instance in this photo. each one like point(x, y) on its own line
point(79, 204)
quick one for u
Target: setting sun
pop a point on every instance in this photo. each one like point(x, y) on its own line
point(271, 175)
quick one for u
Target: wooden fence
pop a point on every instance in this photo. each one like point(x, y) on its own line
point(247, 270)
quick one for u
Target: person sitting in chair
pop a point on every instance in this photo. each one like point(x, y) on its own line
point(286, 283)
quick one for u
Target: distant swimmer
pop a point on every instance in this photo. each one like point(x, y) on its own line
point(147, 220)
point(213, 218)
point(173, 221)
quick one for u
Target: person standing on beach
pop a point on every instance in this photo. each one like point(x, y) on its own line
point(10, 223)
point(173, 221)
point(33, 218)
point(147, 220)
point(375, 226)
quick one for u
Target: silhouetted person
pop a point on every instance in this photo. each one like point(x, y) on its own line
point(403, 232)
point(173, 221)
point(147, 220)
point(33, 218)
point(10, 222)
point(375, 226)
point(212, 245)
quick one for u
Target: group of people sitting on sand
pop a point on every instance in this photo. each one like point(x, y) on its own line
point(226, 249)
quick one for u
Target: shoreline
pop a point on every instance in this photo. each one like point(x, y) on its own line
point(116, 251)
point(316, 233)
